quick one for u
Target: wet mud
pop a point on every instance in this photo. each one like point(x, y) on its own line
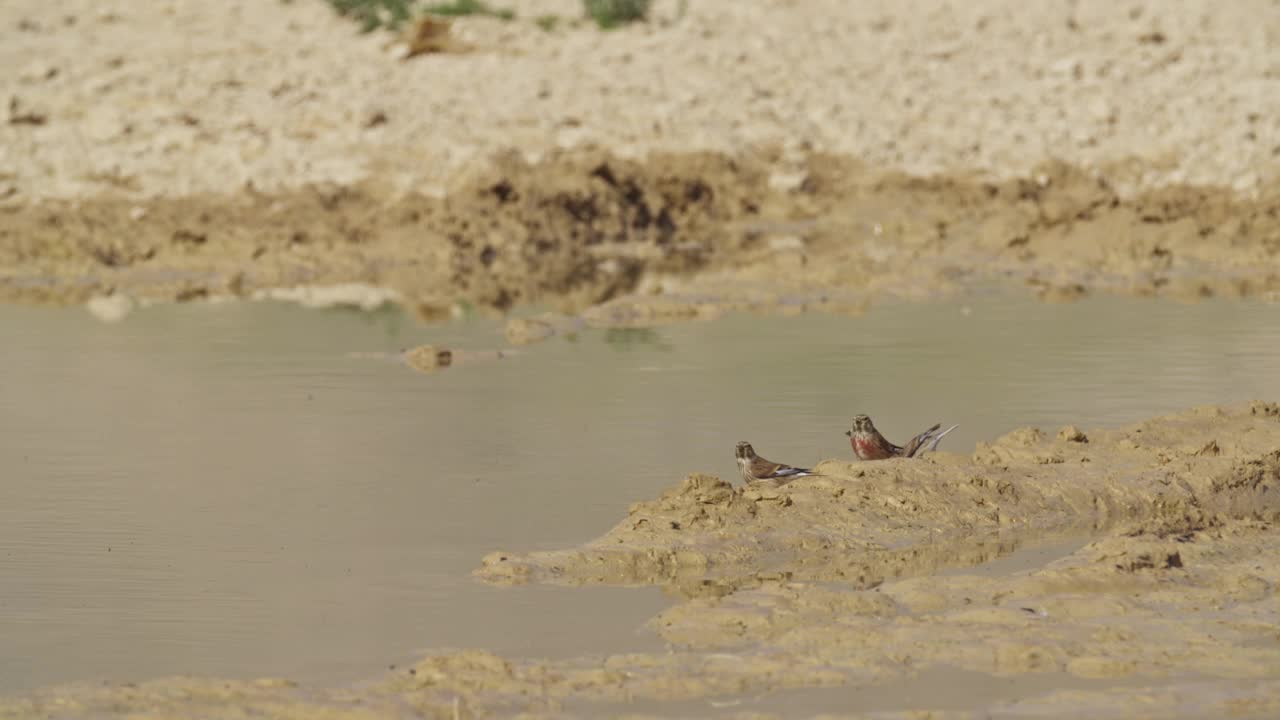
point(866, 522)
point(1156, 593)
point(673, 236)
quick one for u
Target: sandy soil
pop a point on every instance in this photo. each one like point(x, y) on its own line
point(771, 153)
point(183, 97)
point(1167, 607)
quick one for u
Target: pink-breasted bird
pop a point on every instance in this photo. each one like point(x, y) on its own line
point(869, 444)
point(756, 469)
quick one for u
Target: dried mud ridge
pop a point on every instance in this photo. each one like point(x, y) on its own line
point(582, 227)
point(1170, 610)
point(863, 523)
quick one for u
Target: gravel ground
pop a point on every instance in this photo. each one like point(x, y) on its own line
point(181, 97)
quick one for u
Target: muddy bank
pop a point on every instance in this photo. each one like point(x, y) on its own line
point(864, 523)
point(829, 582)
point(839, 153)
point(672, 236)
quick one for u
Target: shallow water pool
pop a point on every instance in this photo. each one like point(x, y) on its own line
point(246, 489)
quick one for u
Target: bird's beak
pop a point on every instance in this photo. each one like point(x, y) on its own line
point(849, 433)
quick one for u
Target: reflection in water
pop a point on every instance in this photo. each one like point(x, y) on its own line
point(227, 490)
point(984, 555)
point(937, 688)
point(633, 338)
point(1021, 557)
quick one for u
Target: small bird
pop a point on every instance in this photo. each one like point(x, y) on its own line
point(755, 468)
point(869, 444)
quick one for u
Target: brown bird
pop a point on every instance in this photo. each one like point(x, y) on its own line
point(755, 468)
point(869, 444)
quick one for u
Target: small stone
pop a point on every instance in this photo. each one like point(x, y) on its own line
point(524, 331)
point(1067, 293)
point(103, 125)
point(427, 358)
point(110, 308)
point(1210, 449)
point(1101, 110)
point(785, 243)
point(1246, 182)
point(1067, 66)
point(37, 71)
point(787, 181)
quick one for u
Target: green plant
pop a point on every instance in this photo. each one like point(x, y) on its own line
point(547, 22)
point(609, 14)
point(373, 14)
point(456, 8)
point(391, 14)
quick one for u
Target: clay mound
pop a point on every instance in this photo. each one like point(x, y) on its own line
point(863, 523)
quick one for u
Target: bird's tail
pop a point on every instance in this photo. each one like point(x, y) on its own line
point(938, 438)
point(930, 437)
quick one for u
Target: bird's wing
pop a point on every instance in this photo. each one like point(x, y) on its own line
point(762, 468)
point(788, 471)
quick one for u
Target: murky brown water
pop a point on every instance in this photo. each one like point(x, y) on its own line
point(1028, 557)
point(223, 489)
